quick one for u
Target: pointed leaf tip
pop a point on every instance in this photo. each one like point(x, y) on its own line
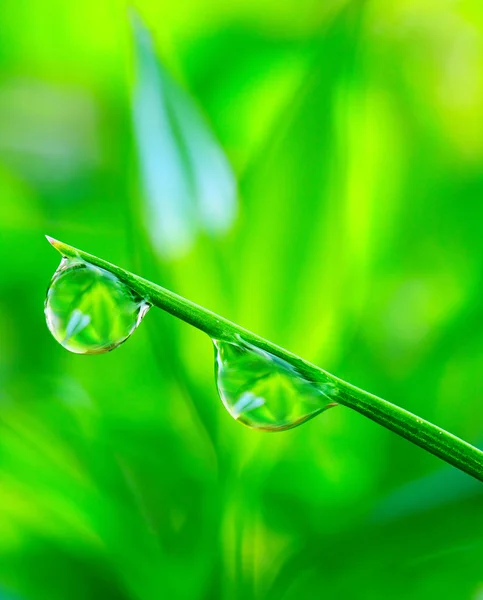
point(51, 240)
point(55, 243)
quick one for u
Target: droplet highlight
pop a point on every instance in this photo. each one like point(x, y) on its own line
point(89, 310)
point(265, 392)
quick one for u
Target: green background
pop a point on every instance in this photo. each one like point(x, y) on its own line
point(355, 133)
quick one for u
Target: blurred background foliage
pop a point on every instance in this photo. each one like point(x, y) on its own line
point(313, 171)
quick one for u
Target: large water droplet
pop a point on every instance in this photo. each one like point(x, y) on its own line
point(89, 310)
point(265, 392)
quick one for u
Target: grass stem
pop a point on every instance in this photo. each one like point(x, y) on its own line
point(424, 434)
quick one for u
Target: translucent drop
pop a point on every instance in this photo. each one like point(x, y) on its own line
point(89, 310)
point(265, 392)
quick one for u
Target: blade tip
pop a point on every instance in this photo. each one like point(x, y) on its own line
point(55, 243)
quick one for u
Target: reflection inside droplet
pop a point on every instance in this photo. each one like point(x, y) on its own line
point(89, 310)
point(265, 392)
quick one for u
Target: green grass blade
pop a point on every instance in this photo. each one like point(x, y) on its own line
point(424, 434)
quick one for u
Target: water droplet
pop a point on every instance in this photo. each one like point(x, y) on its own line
point(89, 310)
point(265, 392)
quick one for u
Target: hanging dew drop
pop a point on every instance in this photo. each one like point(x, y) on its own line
point(89, 310)
point(265, 392)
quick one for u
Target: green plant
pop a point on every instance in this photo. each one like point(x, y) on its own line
point(428, 436)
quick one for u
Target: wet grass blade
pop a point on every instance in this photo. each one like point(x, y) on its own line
point(424, 434)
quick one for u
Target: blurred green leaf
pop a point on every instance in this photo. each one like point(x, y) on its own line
point(188, 182)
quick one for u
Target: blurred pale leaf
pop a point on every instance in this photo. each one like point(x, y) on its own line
point(188, 181)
